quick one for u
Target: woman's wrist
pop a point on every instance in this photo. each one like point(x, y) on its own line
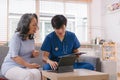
point(35, 53)
point(27, 64)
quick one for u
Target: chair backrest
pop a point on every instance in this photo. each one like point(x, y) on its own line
point(3, 53)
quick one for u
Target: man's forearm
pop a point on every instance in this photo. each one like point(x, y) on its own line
point(76, 50)
point(45, 56)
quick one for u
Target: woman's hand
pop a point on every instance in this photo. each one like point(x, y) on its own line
point(53, 64)
point(21, 61)
point(35, 53)
point(33, 65)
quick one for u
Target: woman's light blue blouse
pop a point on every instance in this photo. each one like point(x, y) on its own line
point(17, 47)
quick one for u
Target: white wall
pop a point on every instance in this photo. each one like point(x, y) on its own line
point(21, 6)
point(95, 22)
point(111, 22)
point(105, 25)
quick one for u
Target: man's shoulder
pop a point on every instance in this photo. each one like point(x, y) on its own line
point(50, 35)
point(71, 34)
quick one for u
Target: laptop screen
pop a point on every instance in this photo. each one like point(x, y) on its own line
point(67, 60)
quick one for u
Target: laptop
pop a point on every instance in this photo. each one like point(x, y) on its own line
point(65, 64)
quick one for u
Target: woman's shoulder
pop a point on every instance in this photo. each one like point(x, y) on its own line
point(16, 35)
point(15, 39)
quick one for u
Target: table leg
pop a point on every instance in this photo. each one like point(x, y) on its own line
point(44, 78)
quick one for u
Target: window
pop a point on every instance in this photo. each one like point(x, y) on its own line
point(16, 9)
point(13, 21)
point(76, 16)
point(3, 21)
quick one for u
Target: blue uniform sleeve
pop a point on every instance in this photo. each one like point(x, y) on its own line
point(14, 46)
point(76, 43)
point(46, 46)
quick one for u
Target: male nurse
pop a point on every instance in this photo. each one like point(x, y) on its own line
point(60, 42)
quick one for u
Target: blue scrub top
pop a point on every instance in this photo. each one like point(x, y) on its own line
point(57, 48)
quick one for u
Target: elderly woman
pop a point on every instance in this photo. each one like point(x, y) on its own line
point(16, 65)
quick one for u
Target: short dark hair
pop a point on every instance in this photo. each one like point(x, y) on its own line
point(58, 20)
point(23, 25)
